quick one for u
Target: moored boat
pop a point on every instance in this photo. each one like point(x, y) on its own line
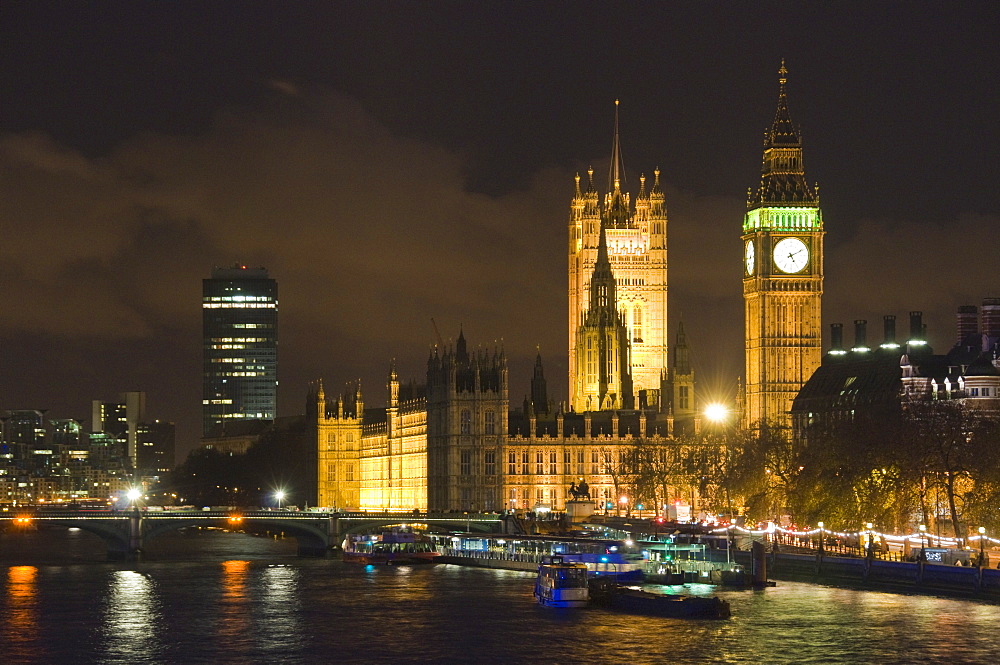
point(635, 600)
point(390, 548)
point(561, 584)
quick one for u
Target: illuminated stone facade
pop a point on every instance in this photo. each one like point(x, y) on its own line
point(454, 444)
point(783, 275)
point(637, 250)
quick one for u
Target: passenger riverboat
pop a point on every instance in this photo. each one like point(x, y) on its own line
point(561, 584)
point(390, 548)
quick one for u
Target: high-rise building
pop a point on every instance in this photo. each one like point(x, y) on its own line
point(240, 327)
point(636, 239)
point(783, 276)
point(25, 439)
point(155, 456)
point(121, 420)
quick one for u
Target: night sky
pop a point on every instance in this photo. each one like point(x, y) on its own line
point(393, 162)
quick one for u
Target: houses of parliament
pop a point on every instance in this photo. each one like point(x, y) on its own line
point(456, 441)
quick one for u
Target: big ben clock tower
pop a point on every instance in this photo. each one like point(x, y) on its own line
point(782, 274)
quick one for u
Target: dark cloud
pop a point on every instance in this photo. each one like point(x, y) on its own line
point(398, 164)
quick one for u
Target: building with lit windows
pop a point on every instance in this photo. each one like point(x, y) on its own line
point(634, 237)
point(121, 420)
point(240, 330)
point(873, 382)
point(156, 446)
point(453, 443)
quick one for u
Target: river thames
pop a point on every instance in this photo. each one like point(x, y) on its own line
point(215, 597)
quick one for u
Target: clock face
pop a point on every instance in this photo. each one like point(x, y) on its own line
point(791, 255)
point(749, 256)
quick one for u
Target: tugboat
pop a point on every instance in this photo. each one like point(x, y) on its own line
point(390, 548)
point(561, 584)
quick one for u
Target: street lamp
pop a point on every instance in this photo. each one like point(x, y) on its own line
point(623, 501)
point(716, 413)
point(871, 540)
point(923, 546)
point(982, 545)
point(821, 539)
point(133, 496)
point(279, 497)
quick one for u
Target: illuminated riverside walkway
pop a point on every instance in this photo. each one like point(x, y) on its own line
point(918, 561)
point(126, 532)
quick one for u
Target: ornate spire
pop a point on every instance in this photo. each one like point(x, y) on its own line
point(783, 178)
point(615, 173)
point(616, 203)
point(783, 131)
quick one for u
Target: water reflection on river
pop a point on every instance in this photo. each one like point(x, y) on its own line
point(211, 597)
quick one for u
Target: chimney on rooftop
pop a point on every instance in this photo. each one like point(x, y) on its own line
point(968, 322)
point(916, 327)
point(889, 326)
point(837, 339)
point(860, 335)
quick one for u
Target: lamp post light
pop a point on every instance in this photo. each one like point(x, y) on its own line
point(923, 545)
point(279, 496)
point(821, 538)
point(982, 546)
point(716, 413)
point(623, 501)
point(133, 496)
point(871, 540)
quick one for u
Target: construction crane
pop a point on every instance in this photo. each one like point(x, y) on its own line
point(438, 333)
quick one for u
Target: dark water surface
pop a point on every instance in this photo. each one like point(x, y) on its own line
point(213, 597)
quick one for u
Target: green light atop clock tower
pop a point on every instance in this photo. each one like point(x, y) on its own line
point(782, 273)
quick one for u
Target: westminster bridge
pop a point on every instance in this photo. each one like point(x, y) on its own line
point(126, 532)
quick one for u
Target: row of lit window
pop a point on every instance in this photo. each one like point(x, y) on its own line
point(239, 299)
point(331, 473)
point(243, 415)
point(242, 305)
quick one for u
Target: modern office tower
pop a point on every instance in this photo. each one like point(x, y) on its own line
point(155, 449)
point(121, 419)
point(106, 451)
point(636, 245)
point(240, 327)
point(783, 275)
point(24, 434)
